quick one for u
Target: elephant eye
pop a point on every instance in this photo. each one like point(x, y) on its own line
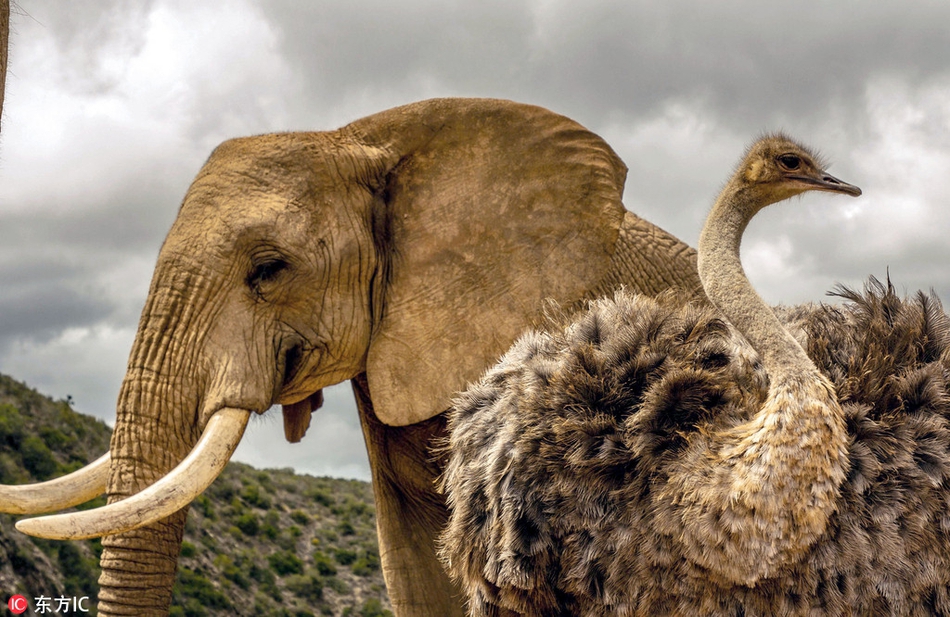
point(265, 271)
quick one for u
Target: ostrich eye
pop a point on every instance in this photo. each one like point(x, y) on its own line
point(265, 271)
point(789, 161)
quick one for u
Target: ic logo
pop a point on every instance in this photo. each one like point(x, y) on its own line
point(17, 604)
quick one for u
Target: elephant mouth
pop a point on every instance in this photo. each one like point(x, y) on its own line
point(297, 416)
point(292, 361)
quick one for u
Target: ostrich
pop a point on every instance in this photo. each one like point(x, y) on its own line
point(656, 457)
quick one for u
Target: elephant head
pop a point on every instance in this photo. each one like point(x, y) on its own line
point(405, 252)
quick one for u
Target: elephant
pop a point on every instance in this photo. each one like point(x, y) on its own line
point(403, 252)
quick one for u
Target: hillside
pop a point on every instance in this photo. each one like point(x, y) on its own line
point(256, 543)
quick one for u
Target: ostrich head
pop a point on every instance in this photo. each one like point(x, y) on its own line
point(776, 168)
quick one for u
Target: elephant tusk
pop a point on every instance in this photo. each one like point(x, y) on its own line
point(70, 490)
point(168, 495)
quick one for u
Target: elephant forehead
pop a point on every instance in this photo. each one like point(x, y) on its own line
point(240, 191)
point(210, 216)
point(301, 161)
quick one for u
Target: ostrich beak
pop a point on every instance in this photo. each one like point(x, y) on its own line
point(823, 181)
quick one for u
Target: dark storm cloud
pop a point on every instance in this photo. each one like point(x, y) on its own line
point(753, 63)
point(118, 223)
point(42, 310)
point(59, 255)
point(374, 48)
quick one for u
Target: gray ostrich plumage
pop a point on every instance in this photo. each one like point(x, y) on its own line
point(655, 457)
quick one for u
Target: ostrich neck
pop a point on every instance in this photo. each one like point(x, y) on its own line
point(727, 286)
point(755, 496)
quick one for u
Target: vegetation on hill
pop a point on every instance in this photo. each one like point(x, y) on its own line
point(277, 543)
point(256, 543)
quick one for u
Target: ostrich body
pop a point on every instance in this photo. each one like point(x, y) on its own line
point(653, 457)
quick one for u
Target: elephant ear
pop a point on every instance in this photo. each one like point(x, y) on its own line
point(486, 208)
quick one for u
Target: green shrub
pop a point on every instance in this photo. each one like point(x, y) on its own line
point(337, 585)
point(285, 562)
point(290, 484)
point(254, 496)
point(222, 490)
point(308, 587)
point(96, 545)
point(271, 589)
point(55, 439)
point(300, 517)
point(271, 528)
point(263, 605)
point(203, 504)
point(21, 561)
point(11, 426)
point(195, 587)
point(367, 563)
point(261, 575)
point(287, 542)
point(10, 470)
point(344, 556)
point(321, 496)
point(374, 608)
point(323, 564)
point(248, 523)
point(37, 457)
point(191, 608)
point(188, 549)
point(234, 574)
point(358, 509)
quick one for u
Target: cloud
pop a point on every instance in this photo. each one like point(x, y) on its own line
point(85, 363)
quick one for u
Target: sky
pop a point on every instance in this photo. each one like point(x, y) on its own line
point(112, 106)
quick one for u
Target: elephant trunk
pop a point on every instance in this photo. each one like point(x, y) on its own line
point(138, 566)
point(164, 404)
point(156, 426)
